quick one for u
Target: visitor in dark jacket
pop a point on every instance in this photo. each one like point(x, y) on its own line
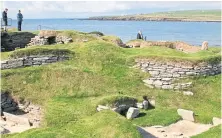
point(139, 35)
point(20, 19)
point(5, 19)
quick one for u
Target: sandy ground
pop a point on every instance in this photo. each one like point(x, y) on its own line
point(33, 113)
point(181, 129)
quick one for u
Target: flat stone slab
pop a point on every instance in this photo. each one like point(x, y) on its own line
point(186, 114)
point(189, 93)
point(216, 121)
point(148, 81)
point(180, 129)
point(101, 107)
point(17, 119)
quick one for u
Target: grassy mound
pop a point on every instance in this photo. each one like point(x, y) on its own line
point(97, 33)
point(113, 39)
point(77, 36)
point(112, 100)
point(39, 51)
point(100, 72)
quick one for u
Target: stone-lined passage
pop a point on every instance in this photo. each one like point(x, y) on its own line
point(32, 61)
point(163, 74)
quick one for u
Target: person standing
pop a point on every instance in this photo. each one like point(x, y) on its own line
point(20, 19)
point(139, 35)
point(145, 103)
point(5, 19)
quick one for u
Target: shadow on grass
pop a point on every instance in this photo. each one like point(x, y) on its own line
point(144, 133)
point(141, 115)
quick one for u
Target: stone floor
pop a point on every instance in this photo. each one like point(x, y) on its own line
point(14, 122)
point(181, 129)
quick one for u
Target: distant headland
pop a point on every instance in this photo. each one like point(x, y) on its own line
point(182, 16)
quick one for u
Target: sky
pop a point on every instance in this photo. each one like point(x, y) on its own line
point(84, 9)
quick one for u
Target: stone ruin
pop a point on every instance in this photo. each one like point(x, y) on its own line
point(47, 37)
point(178, 45)
point(165, 75)
point(18, 115)
point(128, 108)
point(11, 41)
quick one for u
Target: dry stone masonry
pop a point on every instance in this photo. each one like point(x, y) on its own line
point(31, 61)
point(12, 40)
point(7, 103)
point(47, 37)
point(163, 75)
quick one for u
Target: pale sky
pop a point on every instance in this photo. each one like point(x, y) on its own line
point(83, 9)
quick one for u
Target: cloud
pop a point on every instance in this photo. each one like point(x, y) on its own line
point(70, 9)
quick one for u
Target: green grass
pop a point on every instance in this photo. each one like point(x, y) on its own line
point(214, 132)
point(100, 73)
point(166, 54)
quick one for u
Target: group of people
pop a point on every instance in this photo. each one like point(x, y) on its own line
point(5, 19)
point(20, 19)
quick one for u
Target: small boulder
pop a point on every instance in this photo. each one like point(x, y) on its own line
point(152, 102)
point(101, 107)
point(186, 114)
point(145, 104)
point(189, 93)
point(148, 81)
point(204, 45)
point(216, 121)
point(132, 113)
point(139, 105)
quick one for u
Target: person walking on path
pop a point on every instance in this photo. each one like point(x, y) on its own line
point(5, 19)
point(20, 19)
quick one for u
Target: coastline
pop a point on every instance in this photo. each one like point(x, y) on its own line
point(149, 19)
point(174, 16)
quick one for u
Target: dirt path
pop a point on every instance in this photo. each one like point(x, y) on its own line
point(181, 129)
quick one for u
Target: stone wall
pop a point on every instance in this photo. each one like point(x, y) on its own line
point(8, 104)
point(31, 61)
point(47, 40)
point(163, 75)
point(12, 40)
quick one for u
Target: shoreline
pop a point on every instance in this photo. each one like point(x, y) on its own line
point(152, 20)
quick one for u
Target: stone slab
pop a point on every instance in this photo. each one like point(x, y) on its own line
point(186, 114)
point(132, 113)
point(14, 118)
